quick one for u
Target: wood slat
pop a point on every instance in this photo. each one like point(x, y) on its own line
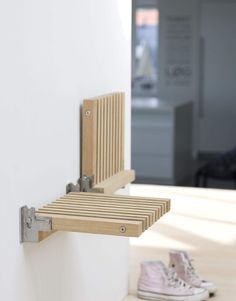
point(75, 211)
point(125, 203)
point(128, 207)
point(104, 208)
point(158, 209)
point(89, 141)
point(123, 198)
point(113, 134)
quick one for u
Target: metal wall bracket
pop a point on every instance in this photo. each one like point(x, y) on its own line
point(72, 187)
point(31, 225)
point(84, 184)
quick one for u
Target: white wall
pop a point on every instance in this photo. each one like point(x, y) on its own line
point(54, 53)
point(218, 101)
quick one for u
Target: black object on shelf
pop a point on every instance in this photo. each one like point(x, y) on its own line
point(223, 167)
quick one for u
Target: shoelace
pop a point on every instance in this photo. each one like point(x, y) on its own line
point(190, 269)
point(175, 281)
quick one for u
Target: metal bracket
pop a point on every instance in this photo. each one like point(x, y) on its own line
point(30, 225)
point(72, 188)
point(84, 184)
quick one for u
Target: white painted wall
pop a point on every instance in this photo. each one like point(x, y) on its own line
point(218, 102)
point(54, 54)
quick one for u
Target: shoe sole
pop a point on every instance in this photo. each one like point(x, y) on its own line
point(161, 297)
point(211, 290)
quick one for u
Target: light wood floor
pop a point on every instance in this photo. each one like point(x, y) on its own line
point(201, 221)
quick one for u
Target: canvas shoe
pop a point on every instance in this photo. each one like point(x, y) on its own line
point(180, 261)
point(158, 283)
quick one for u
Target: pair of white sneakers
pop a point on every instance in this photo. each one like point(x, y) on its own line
point(179, 282)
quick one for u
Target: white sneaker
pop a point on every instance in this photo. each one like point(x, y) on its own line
point(180, 261)
point(158, 283)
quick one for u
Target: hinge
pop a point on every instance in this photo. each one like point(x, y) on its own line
point(84, 184)
point(31, 225)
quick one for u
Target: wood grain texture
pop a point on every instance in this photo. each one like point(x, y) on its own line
point(96, 225)
point(115, 182)
point(89, 141)
point(104, 213)
point(43, 235)
point(103, 127)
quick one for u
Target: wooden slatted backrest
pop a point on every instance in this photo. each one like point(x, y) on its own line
point(103, 136)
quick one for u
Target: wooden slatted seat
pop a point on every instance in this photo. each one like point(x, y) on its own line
point(96, 210)
point(104, 214)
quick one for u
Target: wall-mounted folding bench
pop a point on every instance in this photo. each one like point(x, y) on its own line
point(89, 206)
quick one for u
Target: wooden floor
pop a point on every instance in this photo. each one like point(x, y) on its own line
point(201, 221)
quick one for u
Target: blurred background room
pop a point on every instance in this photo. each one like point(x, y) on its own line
point(184, 92)
point(184, 133)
